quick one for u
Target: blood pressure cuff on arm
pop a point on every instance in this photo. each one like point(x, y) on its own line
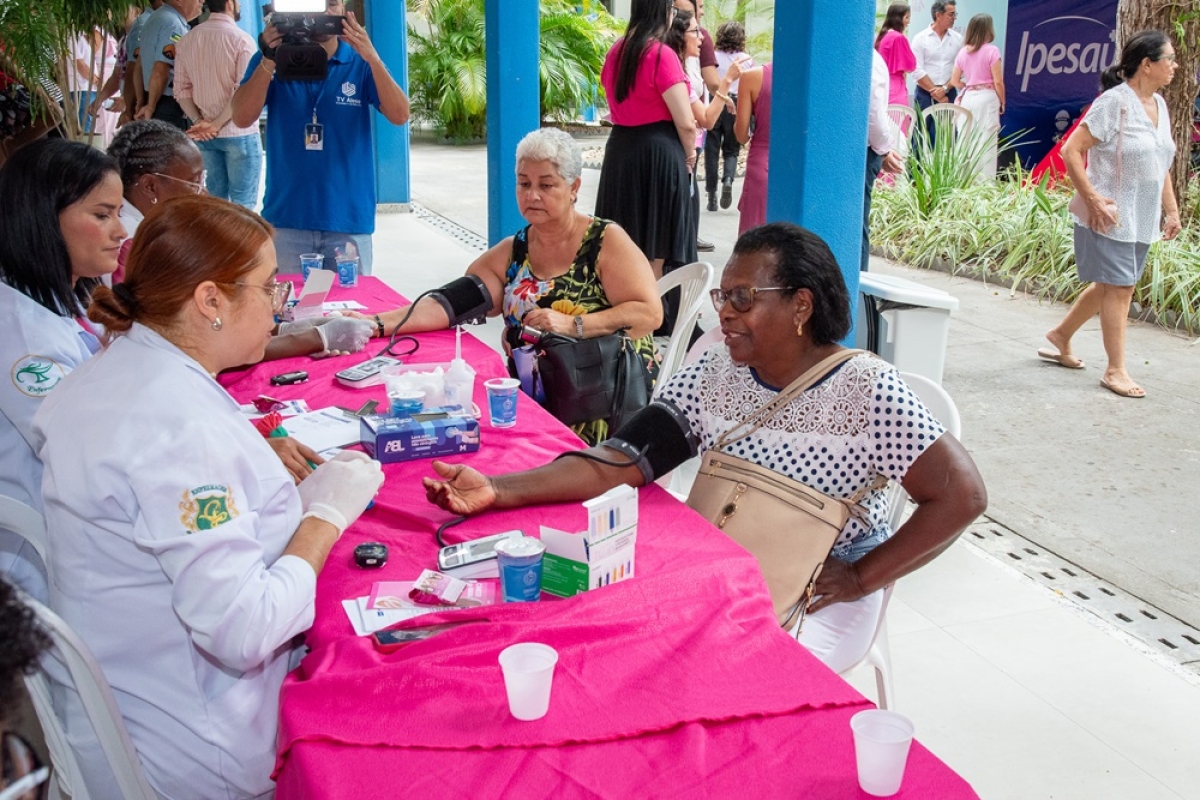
point(464, 299)
point(658, 439)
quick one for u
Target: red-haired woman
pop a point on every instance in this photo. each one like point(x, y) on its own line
point(183, 552)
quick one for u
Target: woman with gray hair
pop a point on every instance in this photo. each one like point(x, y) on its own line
point(566, 272)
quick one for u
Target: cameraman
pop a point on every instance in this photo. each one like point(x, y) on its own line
point(320, 155)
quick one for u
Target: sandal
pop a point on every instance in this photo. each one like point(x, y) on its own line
point(1063, 360)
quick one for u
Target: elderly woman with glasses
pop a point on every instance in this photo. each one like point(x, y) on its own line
point(783, 308)
point(183, 552)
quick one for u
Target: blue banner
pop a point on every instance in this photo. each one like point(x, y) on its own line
point(1053, 57)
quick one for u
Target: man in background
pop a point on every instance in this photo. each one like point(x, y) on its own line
point(935, 49)
point(210, 61)
point(156, 52)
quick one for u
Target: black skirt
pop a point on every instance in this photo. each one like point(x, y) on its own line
point(646, 189)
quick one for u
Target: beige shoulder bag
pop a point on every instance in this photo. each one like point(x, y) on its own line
point(789, 527)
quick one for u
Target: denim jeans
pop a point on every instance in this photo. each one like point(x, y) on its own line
point(234, 164)
point(291, 243)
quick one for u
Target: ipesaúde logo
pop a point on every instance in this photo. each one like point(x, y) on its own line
point(1066, 45)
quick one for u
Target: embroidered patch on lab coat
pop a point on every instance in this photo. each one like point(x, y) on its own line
point(36, 375)
point(206, 507)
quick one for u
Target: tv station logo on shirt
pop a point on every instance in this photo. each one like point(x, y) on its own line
point(348, 96)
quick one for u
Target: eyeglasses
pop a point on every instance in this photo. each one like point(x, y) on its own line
point(693, 31)
point(277, 289)
point(21, 771)
point(740, 297)
point(197, 188)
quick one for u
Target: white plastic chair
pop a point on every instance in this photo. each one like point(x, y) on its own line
point(899, 115)
point(693, 281)
point(101, 709)
point(679, 480)
point(879, 654)
point(950, 114)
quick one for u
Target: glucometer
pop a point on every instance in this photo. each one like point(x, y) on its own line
point(288, 378)
point(456, 557)
point(368, 373)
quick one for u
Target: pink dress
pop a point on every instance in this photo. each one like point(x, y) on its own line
point(898, 55)
point(753, 204)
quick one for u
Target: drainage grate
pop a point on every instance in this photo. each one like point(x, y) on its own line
point(456, 231)
point(1167, 636)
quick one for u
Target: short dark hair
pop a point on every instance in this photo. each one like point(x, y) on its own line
point(1141, 45)
point(939, 6)
point(804, 261)
point(145, 146)
point(217, 6)
point(731, 37)
point(36, 184)
point(23, 641)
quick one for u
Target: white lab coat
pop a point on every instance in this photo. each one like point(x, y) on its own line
point(37, 350)
point(169, 515)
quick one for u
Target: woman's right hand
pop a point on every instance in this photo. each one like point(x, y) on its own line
point(464, 491)
point(340, 489)
point(1102, 212)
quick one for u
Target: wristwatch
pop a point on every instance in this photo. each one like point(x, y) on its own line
point(579, 327)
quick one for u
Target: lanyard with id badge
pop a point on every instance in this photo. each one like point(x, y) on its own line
point(314, 132)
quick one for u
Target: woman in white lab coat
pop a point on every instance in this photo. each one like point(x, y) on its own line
point(182, 551)
point(60, 236)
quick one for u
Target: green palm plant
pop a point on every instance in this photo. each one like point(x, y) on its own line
point(448, 64)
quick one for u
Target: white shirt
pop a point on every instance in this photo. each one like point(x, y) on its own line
point(1146, 155)
point(130, 218)
point(724, 60)
point(935, 54)
point(37, 351)
point(879, 131)
point(857, 423)
point(170, 514)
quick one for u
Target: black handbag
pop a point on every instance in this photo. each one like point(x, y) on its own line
point(587, 379)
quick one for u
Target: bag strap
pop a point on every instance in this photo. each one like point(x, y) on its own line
point(756, 419)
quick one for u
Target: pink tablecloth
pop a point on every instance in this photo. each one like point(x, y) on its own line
point(676, 682)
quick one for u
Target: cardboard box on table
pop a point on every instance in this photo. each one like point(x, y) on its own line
point(447, 430)
point(599, 556)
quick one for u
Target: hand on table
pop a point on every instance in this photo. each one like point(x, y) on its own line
point(342, 335)
point(295, 456)
point(465, 491)
point(837, 583)
point(340, 490)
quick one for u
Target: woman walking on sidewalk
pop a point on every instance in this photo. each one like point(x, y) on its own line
point(1128, 196)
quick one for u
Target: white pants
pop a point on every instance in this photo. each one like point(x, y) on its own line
point(841, 634)
point(984, 105)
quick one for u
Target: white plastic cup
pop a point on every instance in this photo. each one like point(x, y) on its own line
point(881, 743)
point(502, 401)
point(528, 670)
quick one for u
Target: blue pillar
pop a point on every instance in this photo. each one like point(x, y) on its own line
point(388, 29)
point(820, 89)
point(251, 21)
point(513, 100)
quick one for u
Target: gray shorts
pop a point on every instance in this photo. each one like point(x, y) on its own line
point(1099, 259)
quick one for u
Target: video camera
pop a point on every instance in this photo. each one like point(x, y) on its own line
point(298, 57)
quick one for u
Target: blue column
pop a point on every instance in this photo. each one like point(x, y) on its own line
point(820, 90)
point(251, 21)
point(512, 104)
point(388, 30)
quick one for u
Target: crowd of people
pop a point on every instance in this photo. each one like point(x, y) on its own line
point(118, 270)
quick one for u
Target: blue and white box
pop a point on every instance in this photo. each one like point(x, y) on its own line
point(442, 431)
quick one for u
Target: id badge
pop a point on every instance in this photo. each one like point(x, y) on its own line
point(314, 136)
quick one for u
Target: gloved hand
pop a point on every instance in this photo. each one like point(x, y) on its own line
point(289, 328)
point(340, 489)
point(345, 335)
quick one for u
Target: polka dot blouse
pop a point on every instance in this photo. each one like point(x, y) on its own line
point(857, 423)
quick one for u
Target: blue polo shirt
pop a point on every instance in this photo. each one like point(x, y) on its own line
point(332, 189)
point(162, 29)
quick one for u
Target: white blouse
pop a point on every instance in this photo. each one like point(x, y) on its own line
point(1118, 121)
point(857, 423)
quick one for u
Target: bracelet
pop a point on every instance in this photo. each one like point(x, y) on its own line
point(379, 329)
point(720, 96)
point(263, 65)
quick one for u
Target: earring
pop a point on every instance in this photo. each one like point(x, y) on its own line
point(800, 329)
point(153, 201)
point(216, 326)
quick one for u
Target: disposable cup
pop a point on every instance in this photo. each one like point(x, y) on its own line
point(881, 743)
point(528, 670)
point(520, 564)
point(309, 262)
point(502, 401)
point(347, 269)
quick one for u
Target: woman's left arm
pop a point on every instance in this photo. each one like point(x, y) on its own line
point(629, 286)
point(1171, 224)
point(950, 495)
point(998, 81)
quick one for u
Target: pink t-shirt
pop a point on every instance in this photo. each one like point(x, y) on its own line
point(659, 70)
point(977, 67)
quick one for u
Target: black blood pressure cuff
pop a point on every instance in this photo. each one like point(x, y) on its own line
point(657, 439)
point(464, 299)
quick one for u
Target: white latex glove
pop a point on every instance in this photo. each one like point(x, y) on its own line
point(302, 326)
point(345, 334)
point(339, 490)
